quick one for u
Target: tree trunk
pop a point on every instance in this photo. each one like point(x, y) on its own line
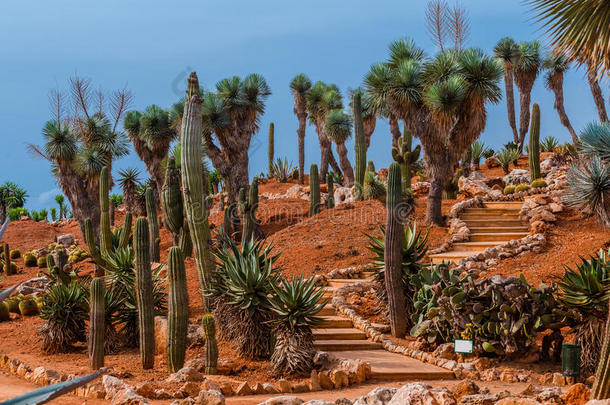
point(301, 135)
point(346, 166)
point(369, 127)
point(434, 214)
point(510, 100)
point(394, 130)
point(524, 116)
point(556, 85)
point(598, 96)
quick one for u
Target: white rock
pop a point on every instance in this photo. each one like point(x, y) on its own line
point(128, 397)
point(379, 396)
point(283, 400)
point(113, 386)
point(66, 240)
point(344, 195)
point(185, 374)
point(210, 397)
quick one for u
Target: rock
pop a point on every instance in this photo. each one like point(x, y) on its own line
point(207, 385)
point(344, 195)
point(300, 387)
point(210, 397)
point(162, 394)
point(323, 360)
point(295, 191)
point(285, 385)
point(194, 337)
point(318, 402)
point(357, 370)
point(185, 374)
point(315, 381)
point(555, 208)
point(379, 396)
point(40, 375)
point(479, 399)
point(66, 240)
point(420, 188)
point(259, 389)
point(112, 385)
point(577, 394)
point(473, 186)
point(517, 176)
point(343, 401)
point(325, 381)
point(339, 379)
point(283, 400)
point(445, 351)
point(226, 389)
point(517, 401)
point(537, 227)
point(128, 397)
point(599, 402)
point(160, 334)
point(190, 388)
point(198, 363)
point(243, 389)
point(146, 389)
point(508, 376)
point(185, 401)
point(558, 379)
point(465, 387)
point(422, 394)
point(271, 389)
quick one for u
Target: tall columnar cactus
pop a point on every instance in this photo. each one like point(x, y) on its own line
point(405, 157)
point(271, 147)
point(330, 202)
point(125, 231)
point(601, 387)
point(177, 313)
point(193, 188)
point(247, 209)
point(7, 260)
point(105, 232)
point(173, 208)
point(144, 293)
point(94, 252)
point(360, 148)
point(153, 222)
point(534, 147)
point(314, 190)
point(211, 347)
point(97, 315)
point(392, 255)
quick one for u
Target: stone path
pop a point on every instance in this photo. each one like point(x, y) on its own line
point(338, 336)
point(493, 224)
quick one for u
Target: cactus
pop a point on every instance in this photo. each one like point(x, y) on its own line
point(94, 252)
point(360, 148)
point(97, 327)
point(28, 307)
point(226, 223)
point(601, 386)
point(29, 260)
point(247, 209)
point(522, 187)
point(406, 157)
point(171, 201)
point(193, 188)
point(271, 147)
point(178, 312)
point(211, 347)
point(314, 190)
point(330, 202)
point(105, 232)
point(539, 183)
point(510, 189)
point(392, 256)
point(153, 223)
point(534, 147)
point(125, 231)
point(7, 260)
point(144, 292)
point(373, 188)
point(15, 254)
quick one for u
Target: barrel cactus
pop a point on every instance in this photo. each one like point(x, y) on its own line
point(178, 313)
point(211, 347)
point(28, 307)
point(314, 190)
point(97, 327)
point(144, 293)
point(153, 223)
point(534, 146)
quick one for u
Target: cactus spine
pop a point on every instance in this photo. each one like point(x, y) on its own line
point(105, 232)
point(330, 202)
point(392, 253)
point(360, 148)
point(144, 293)
point(7, 260)
point(97, 315)
point(211, 347)
point(314, 190)
point(177, 311)
point(193, 189)
point(271, 146)
point(406, 157)
point(247, 209)
point(534, 147)
point(153, 223)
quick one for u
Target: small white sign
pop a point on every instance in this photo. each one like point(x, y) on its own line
point(463, 346)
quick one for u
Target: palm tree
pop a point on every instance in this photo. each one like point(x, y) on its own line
point(526, 72)
point(556, 64)
point(151, 133)
point(320, 99)
point(128, 180)
point(508, 52)
point(299, 86)
point(11, 196)
point(442, 102)
point(338, 127)
point(60, 200)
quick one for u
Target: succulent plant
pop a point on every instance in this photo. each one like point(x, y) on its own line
point(373, 188)
point(178, 313)
point(15, 254)
point(548, 144)
point(4, 312)
point(510, 189)
point(270, 147)
point(405, 156)
point(522, 187)
point(105, 232)
point(29, 260)
point(534, 146)
point(538, 183)
point(144, 291)
point(97, 315)
point(211, 346)
point(281, 170)
point(314, 191)
point(28, 307)
point(359, 146)
point(505, 157)
point(42, 262)
point(153, 226)
point(247, 208)
point(330, 201)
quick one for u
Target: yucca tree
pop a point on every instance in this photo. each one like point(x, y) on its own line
point(299, 86)
point(597, 93)
point(78, 145)
point(61, 203)
point(507, 50)
point(11, 196)
point(526, 71)
point(442, 101)
point(128, 180)
point(555, 65)
point(320, 100)
point(338, 128)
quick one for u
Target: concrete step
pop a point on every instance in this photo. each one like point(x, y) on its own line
point(474, 246)
point(346, 345)
point(327, 310)
point(340, 282)
point(334, 322)
point(492, 223)
point(491, 211)
point(451, 256)
point(504, 204)
point(339, 334)
point(441, 374)
point(499, 229)
point(488, 217)
point(498, 238)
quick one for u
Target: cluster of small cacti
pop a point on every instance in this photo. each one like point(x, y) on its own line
point(314, 190)
point(20, 305)
point(247, 208)
point(406, 157)
point(503, 315)
point(29, 260)
point(534, 146)
point(76, 254)
point(538, 183)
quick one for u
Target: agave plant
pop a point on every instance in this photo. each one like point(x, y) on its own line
point(548, 144)
point(281, 170)
point(64, 310)
point(295, 304)
point(589, 188)
point(584, 291)
point(595, 141)
point(505, 157)
point(243, 283)
point(413, 250)
point(477, 151)
point(487, 153)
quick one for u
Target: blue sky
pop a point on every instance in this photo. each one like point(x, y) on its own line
point(150, 46)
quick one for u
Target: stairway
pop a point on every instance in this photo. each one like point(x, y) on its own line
point(493, 224)
point(338, 336)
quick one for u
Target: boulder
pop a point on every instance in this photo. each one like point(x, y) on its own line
point(210, 397)
point(128, 397)
point(473, 186)
point(344, 195)
point(379, 396)
point(517, 401)
point(422, 394)
point(283, 400)
point(243, 389)
point(465, 387)
point(479, 399)
point(190, 388)
point(285, 385)
point(194, 337)
point(146, 389)
point(517, 176)
point(339, 379)
point(325, 382)
point(342, 401)
point(420, 188)
point(577, 394)
point(319, 402)
point(66, 240)
point(112, 385)
point(445, 351)
point(185, 374)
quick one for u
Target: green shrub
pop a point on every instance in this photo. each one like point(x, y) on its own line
point(15, 254)
point(510, 189)
point(548, 144)
point(29, 260)
point(15, 214)
point(522, 187)
point(539, 183)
